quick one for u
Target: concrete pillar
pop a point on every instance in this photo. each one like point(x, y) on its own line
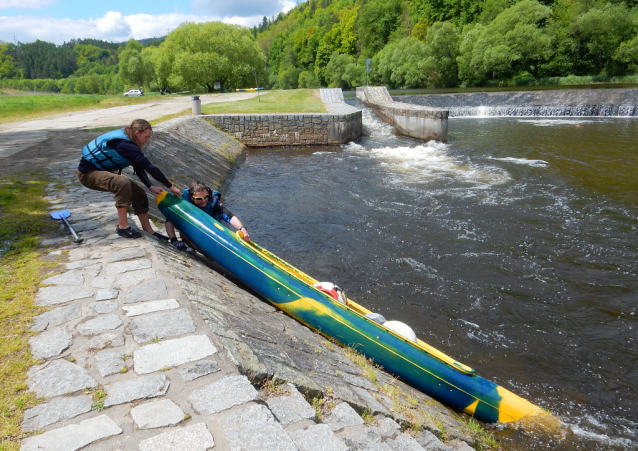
point(196, 105)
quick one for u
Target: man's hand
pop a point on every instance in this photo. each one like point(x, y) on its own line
point(156, 190)
point(175, 190)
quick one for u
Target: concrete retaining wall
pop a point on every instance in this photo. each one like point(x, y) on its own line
point(411, 120)
point(342, 124)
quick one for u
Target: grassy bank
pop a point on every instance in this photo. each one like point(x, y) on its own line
point(288, 101)
point(23, 217)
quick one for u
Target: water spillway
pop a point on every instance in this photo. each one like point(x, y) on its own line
point(572, 103)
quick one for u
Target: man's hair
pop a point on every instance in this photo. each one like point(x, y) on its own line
point(199, 186)
point(138, 125)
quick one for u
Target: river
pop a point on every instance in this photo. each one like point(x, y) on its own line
point(511, 248)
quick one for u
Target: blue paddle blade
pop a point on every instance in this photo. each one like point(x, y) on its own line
point(60, 214)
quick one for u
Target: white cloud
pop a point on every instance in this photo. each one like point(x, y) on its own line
point(239, 8)
point(113, 26)
point(26, 4)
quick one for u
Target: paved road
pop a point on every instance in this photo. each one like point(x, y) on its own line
point(18, 136)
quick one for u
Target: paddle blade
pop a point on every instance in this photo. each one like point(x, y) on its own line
point(60, 214)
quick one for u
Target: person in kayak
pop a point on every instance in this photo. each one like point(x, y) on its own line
point(112, 152)
point(210, 201)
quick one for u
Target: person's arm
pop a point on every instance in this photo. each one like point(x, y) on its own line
point(222, 212)
point(142, 165)
point(235, 222)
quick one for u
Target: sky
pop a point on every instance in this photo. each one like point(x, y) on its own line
point(59, 21)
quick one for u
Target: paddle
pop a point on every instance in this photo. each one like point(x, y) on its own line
point(63, 214)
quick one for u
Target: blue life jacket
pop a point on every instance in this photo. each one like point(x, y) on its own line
point(102, 156)
point(216, 195)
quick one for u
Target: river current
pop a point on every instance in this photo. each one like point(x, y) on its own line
point(512, 248)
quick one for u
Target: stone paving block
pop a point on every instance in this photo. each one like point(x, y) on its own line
point(103, 282)
point(100, 324)
point(113, 269)
point(161, 325)
point(73, 277)
point(106, 293)
point(134, 278)
point(110, 362)
point(93, 270)
point(150, 307)
point(359, 381)
point(149, 291)
point(201, 368)
point(50, 343)
point(387, 428)
point(126, 254)
point(138, 388)
point(374, 405)
point(55, 241)
point(366, 439)
point(58, 295)
point(171, 353)
point(99, 308)
point(430, 442)
point(73, 436)
point(292, 408)
point(342, 416)
point(113, 339)
point(81, 264)
point(253, 428)
point(87, 225)
point(55, 411)
point(157, 414)
point(60, 378)
point(405, 443)
point(190, 438)
point(219, 396)
point(55, 317)
point(318, 437)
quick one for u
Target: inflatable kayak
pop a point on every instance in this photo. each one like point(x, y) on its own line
point(345, 321)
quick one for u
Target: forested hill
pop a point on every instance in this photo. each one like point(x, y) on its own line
point(411, 43)
point(419, 43)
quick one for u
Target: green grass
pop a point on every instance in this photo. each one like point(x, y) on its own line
point(288, 101)
point(23, 107)
point(23, 217)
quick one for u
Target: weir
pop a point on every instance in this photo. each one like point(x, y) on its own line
point(417, 121)
point(563, 103)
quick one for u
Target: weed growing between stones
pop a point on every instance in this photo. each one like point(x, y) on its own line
point(99, 395)
point(23, 218)
point(271, 388)
point(367, 365)
point(367, 416)
point(476, 430)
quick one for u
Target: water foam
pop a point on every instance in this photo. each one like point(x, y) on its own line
point(554, 122)
point(431, 162)
point(523, 161)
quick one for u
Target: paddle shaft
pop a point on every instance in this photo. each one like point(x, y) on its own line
point(75, 235)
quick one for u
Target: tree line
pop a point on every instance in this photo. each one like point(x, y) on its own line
point(411, 43)
point(437, 43)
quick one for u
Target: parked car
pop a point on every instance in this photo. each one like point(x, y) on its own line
point(133, 93)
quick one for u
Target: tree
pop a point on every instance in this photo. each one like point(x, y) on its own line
point(516, 40)
point(601, 31)
point(343, 72)
point(7, 66)
point(205, 53)
point(136, 68)
point(376, 22)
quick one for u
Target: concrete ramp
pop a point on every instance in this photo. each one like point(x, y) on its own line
point(411, 120)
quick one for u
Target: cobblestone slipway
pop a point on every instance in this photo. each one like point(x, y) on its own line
point(147, 348)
